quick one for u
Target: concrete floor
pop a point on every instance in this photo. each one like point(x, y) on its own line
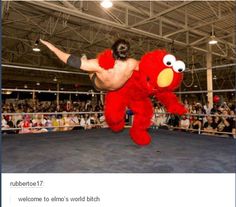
point(102, 151)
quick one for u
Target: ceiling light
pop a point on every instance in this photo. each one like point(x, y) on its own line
point(38, 84)
point(25, 86)
point(7, 92)
point(55, 79)
point(212, 40)
point(36, 46)
point(36, 49)
point(195, 86)
point(106, 4)
point(62, 89)
point(214, 78)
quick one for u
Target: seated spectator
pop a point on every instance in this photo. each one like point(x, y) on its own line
point(55, 123)
point(39, 124)
point(95, 120)
point(67, 122)
point(214, 109)
point(173, 121)
point(61, 123)
point(154, 124)
point(224, 106)
point(18, 117)
point(206, 108)
point(184, 123)
point(4, 125)
point(186, 104)
point(199, 108)
point(160, 117)
point(85, 121)
point(88, 105)
point(48, 124)
point(103, 122)
point(88, 124)
point(196, 125)
point(10, 123)
point(232, 121)
point(225, 123)
point(192, 109)
point(25, 125)
point(234, 130)
point(210, 126)
point(75, 122)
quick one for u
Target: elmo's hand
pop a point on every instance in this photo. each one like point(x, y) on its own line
point(171, 102)
point(106, 60)
point(177, 109)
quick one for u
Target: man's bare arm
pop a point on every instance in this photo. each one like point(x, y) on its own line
point(90, 65)
point(60, 54)
point(72, 60)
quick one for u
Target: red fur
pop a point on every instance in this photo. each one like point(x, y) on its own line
point(135, 95)
point(105, 59)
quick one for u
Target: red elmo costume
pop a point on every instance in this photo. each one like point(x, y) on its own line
point(159, 74)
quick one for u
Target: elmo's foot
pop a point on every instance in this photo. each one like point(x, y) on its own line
point(140, 137)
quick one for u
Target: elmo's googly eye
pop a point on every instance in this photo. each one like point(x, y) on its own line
point(179, 66)
point(169, 60)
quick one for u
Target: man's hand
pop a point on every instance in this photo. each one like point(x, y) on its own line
point(60, 54)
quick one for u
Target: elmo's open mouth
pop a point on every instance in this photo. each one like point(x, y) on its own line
point(165, 77)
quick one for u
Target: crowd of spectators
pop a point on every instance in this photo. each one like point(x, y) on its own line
point(218, 120)
point(204, 120)
point(38, 123)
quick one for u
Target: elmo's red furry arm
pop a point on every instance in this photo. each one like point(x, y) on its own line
point(171, 102)
point(105, 59)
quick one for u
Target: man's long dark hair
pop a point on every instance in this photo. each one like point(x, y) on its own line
point(120, 49)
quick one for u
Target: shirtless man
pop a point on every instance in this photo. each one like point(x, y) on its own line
point(108, 80)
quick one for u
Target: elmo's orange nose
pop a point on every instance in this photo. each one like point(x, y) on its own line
point(165, 77)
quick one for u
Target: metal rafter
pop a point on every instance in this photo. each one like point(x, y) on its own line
point(199, 25)
point(116, 25)
point(156, 16)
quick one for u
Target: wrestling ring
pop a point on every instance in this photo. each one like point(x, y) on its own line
point(99, 150)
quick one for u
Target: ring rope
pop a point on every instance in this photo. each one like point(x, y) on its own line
point(102, 112)
point(126, 126)
point(51, 91)
point(99, 93)
point(47, 127)
point(42, 69)
point(81, 73)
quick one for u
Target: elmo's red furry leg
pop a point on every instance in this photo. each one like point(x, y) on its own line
point(115, 111)
point(143, 112)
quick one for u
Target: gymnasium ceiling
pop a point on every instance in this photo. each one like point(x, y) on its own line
point(84, 27)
